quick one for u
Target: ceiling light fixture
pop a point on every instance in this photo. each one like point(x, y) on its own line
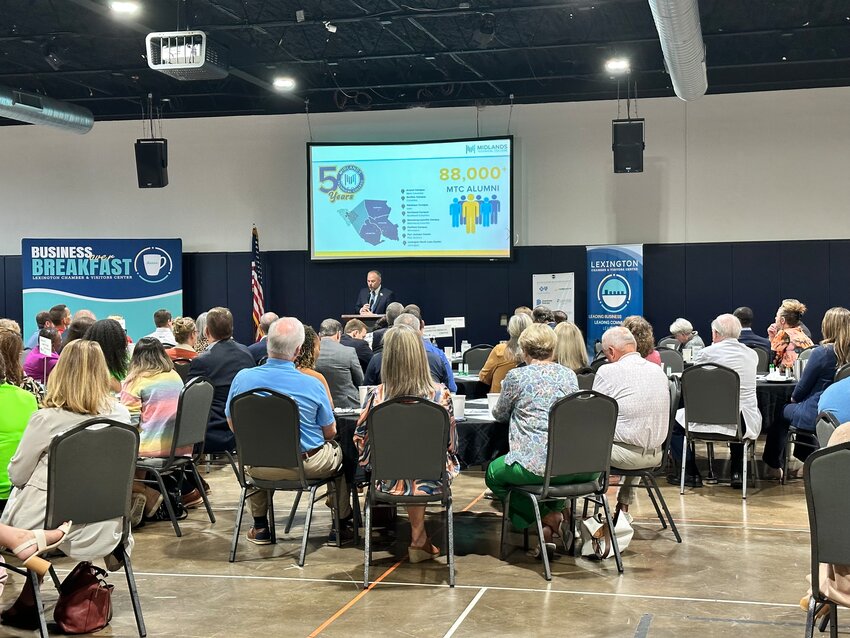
point(124, 7)
point(282, 83)
point(617, 66)
point(330, 27)
point(486, 31)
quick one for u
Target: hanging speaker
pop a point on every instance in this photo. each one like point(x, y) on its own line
point(152, 162)
point(628, 144)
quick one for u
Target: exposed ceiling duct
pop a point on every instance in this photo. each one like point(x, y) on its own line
point(679, 30)
point(39, 109)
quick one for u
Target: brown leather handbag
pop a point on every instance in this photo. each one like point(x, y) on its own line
point(85, 600)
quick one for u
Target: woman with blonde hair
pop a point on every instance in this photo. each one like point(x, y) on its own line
point(505, 356)
point(787, 337)
point(642, 332)
point(817, 376)
point(570, 351)
point(305, 362)
point(405, 372)
point(186, 336)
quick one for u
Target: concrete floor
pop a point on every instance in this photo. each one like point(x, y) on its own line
point(739, 571)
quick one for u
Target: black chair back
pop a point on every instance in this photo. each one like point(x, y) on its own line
point(672, 359)
point(267, 428)
point(825, 426)
point(843, 372)
point(598, 362)
point(581, 433)
point(763, 364)
point(181, 366)
point(712, 395)
point(409, 437)
point(585, 379)
point(90, 470)
point(827, 480)
point(666, 342)
point(193, 413)
point(476, 356)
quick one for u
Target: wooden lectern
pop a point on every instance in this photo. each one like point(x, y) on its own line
point(369, 320)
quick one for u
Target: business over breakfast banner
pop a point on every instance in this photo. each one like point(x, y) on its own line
point(614, 287)
point(129, 277)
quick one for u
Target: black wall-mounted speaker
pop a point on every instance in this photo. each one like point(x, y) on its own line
point(628, 144)
point(152, 162)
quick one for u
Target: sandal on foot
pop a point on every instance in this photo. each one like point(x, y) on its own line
point(421, 554)
point(35, 562)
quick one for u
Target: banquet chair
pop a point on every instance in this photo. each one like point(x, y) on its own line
point(585, 378)
point(666, 342)
point(825, 426)
point(78, 465)
point(598, 362)
point(805, 354)
point(712, 396)
point(671, 358)
point(827, 482)
point(842, 373)
point(647, 475)
point(763, 365)
point(581, 434)
point(476, 357)
point(268, 435)
point(408, 439)
point(181, 366)
point(190, 428)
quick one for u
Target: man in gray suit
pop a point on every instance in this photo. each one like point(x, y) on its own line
point(339, 365)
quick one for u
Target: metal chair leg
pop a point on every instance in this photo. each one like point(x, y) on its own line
point(684, 464)
point(335, 513)
point(451, 545)
point(134, 593)
point(202, 491)
point(746, 465)
point(238, 525)
point(663, 502)
point(307, 522)
point(647, 483)
point(367, 541)
point(168, 506)
point(506, 521)
point(610, 524)
point(39, 605)
point(789, 439)
point(709, 448)
point(810, 618)
point(54, 577)
point(272, 528)
point(357, 518)
point(292, 512)
point(833, 620)
point(544, 555)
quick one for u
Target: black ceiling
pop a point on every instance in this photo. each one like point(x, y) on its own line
point(397, 54)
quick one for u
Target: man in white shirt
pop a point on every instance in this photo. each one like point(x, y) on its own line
point(162, 321)
point(727, 351)
point(642, 393)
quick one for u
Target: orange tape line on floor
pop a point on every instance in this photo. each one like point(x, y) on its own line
point(474, 501)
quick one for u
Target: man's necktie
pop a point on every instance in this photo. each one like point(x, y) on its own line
point(372, 302)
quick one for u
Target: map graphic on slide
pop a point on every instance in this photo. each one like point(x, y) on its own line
point(370, 218)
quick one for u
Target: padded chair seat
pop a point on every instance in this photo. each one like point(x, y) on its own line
point(633, 472)
point(562, 491)
point(396, 498)
point(712, 436)
point(268, 484)
point(158, 463)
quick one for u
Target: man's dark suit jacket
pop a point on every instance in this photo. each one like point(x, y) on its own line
point(258, 350)
point(750, 338)
point(219, 364)
point(385, 297)
point(435, 365)
point(364, 352)
point(378, 340)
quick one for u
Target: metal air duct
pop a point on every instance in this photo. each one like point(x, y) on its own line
point(39, 109)
point(679, 30)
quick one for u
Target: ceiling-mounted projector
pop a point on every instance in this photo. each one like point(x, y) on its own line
point(186, 55)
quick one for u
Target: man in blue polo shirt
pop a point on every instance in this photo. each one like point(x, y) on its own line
point(322, 456)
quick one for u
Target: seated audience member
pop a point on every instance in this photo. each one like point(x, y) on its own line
point(80, 315)
point(220, 363)
point(111, 338)
point(542, 314)
point(76, 330)
point(787, 338)
point(817, 376)
point(642, 393)
point(67, 404)
point(10, 325)
point(16, 408)
point(393, 311)
point(448, 377)
point(726, 351)
point(306, 360)
point(570, 351)
point(322, 455)
point(123, 324)
point(11, 350)
point(527, 395)
point(201, 326)
point(524, 310)
point(39, 366)
point(258, 349)
point(42, 320)
point(642, 332)
point(339, 365)
point(559, 316)
point(186, 336)
point(150, 392)
point(683, 331)
point(353, 337)
point(163, 332)
point(60, 317)
point(505, 356)
point(404, 371)
point(836, 400)
point(748, 337)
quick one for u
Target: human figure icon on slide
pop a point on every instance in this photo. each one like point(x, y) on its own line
point(495, 207)
point(454, 211)
point(486, 210)
point(470, 213)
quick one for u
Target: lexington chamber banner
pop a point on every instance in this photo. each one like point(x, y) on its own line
point(614, 287)
point(132, 278)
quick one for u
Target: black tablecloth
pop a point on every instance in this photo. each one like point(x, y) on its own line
point(472, 388)
point(771, 398)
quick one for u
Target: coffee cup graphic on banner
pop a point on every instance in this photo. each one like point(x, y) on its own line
point(153, 264)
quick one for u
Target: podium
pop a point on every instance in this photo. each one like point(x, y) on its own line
point(369, 320)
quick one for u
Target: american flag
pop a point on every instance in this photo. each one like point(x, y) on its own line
point(256, 283)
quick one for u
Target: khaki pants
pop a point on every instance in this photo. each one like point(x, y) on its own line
point(632, 457)
point(326, 462)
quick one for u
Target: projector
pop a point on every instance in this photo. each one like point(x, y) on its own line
point(186, 55)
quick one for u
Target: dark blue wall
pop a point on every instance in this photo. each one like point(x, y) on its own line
point(696, 281)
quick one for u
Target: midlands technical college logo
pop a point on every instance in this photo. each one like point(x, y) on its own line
point(153, 264)
point(341, 184)
point(614, 293)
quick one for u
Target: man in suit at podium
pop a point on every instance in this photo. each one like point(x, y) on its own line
point(373, 299)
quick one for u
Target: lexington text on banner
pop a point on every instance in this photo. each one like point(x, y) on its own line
point(614, 287)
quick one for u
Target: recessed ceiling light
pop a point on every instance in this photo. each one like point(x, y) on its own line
point(282, 83)
point(617, 65)
point(124, 7)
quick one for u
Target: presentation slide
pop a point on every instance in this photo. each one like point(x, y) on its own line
point(422, 199)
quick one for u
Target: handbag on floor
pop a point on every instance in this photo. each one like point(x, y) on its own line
point(85, 600)
point(596, 539)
